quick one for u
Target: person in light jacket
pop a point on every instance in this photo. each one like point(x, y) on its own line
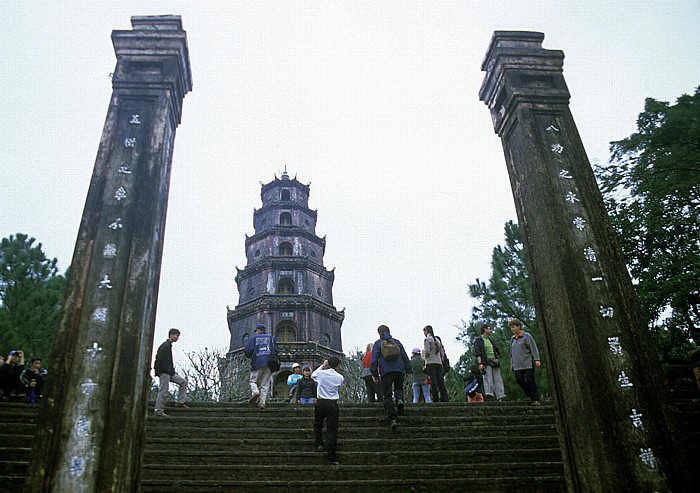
point(524, 358)
point(432, 355)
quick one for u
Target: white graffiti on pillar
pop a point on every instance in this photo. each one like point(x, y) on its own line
point(615, 346)
point(82, 427)
point(135, 119)
point(647, 457)
point(579, 222)
point(124, 169)
point(565, 174)
point(99, 315)
point(130, 142)
point(88, 387)
point(106, 282)
point(552, 128)
point(77, 467)
point(571, 197)
point(116, 224)
point(109, 251)
point(624, 381)
point(558, 148)
point(120, 193)
point(636, 418)
point(94, 350)
point(590, 255)
point(606, 311)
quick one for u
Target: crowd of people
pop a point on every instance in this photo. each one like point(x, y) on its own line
point(385, 365)
point(20, 382)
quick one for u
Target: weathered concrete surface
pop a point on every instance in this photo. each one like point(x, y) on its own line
point(617, 428)
point(91, 438)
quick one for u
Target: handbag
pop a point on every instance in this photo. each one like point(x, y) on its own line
point(494, 362)
point(365, 373)
point(273, 362)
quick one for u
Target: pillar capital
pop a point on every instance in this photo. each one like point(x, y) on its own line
point(519, 70)
point(154, 55)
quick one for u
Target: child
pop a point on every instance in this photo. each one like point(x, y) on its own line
point(306, 388)
point(472, 388)
point(292, 382)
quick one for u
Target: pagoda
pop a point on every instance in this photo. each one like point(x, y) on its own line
point(284, 284)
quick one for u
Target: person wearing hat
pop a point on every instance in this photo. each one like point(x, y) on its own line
point(292, 382)
point(392, 368)
point(420, 379)
point(258, 349)
point(10, 371)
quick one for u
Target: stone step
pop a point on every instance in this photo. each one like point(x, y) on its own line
point(475, 482)
point(466, 455)
point(309, 468)
point(305, 430)
point(399, 440)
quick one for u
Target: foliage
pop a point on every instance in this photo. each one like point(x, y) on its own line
point(235, 375)
point(353, 387)
point(31, 293)
point(506, 296)
point(652, 193)
point(203, 374)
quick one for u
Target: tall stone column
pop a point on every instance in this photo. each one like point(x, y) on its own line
point(615, 422)
point(91, 432)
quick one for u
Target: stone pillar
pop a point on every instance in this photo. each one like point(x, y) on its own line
point(615, 420)
point(91, 432)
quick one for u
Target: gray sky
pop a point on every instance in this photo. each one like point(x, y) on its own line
point(374, 103)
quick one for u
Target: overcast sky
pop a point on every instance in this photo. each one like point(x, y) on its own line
point(374, 103)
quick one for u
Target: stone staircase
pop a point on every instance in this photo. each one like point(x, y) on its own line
point(494, 446)
point(442, 447)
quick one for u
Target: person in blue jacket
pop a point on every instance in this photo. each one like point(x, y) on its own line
point(391, 366)
point(258, 349)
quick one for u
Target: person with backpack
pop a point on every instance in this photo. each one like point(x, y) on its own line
point(433, 354)
point(391, 363)
point(260, 348)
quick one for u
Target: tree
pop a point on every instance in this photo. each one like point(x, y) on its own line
point(31, 293)
point(652, 193)
point(203, 374)
point(506, 296)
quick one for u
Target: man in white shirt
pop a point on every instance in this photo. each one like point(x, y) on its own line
point(329, 382)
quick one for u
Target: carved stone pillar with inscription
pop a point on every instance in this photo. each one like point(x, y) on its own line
point(91, 432)
point(616, 425)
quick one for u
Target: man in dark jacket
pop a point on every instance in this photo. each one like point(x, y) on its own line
point(488, 359)
point(258, 349)
point(10, 371)
point(165, 371)
point(392, 371)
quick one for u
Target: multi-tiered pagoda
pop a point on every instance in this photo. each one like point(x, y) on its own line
point(284, 284)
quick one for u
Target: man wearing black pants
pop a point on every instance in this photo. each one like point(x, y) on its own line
point(390, 363)
point(329, 382)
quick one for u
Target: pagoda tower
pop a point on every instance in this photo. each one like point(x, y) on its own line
point(284, 284)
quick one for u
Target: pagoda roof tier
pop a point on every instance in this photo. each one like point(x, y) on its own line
point(285, 231)
point(285, 181)
point(285, 204)
point(285, 263)
point(285, 302)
